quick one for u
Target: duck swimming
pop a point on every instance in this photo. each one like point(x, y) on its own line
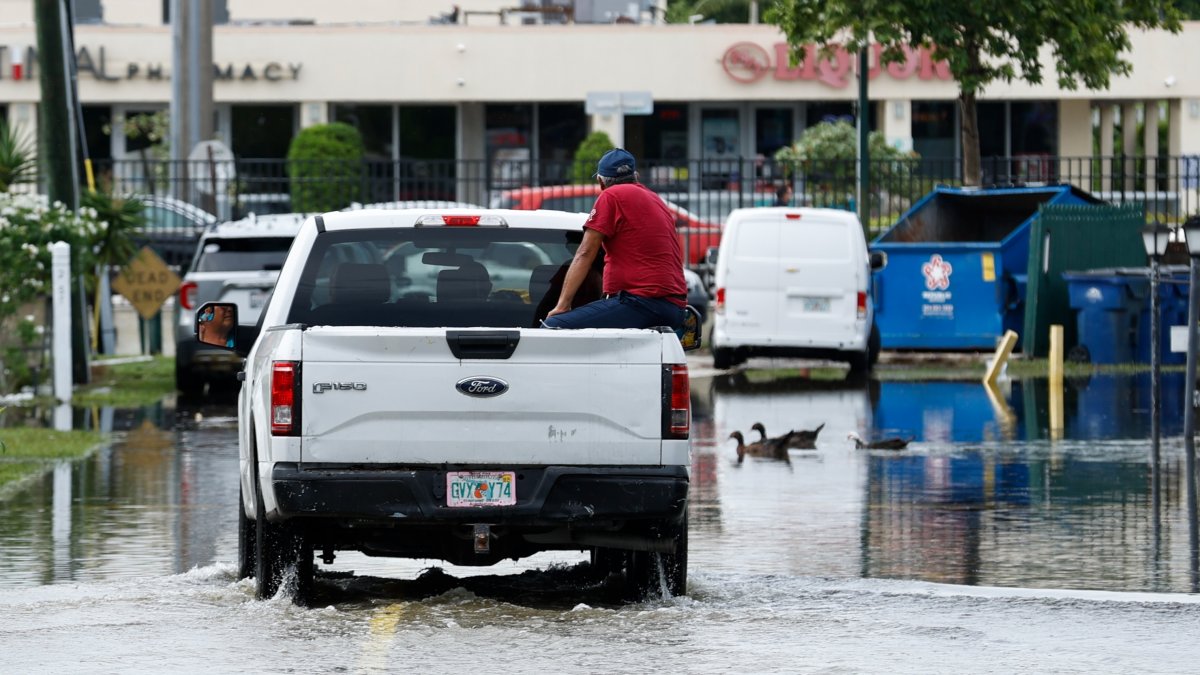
point(893, 443)
point(796, 440)
point(756, 449)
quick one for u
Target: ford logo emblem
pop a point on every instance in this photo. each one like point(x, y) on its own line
point(482, 387)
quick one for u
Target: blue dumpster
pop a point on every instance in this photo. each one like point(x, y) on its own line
point(1109, 305)
point(1172, 311)
point(956, 271)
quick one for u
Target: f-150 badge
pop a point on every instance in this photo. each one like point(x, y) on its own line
point(322, 387)
point(482, 387)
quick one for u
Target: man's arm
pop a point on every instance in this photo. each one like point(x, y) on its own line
point(578, 271)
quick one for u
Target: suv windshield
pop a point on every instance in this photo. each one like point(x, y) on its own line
point(242, 254)
point(430, 277)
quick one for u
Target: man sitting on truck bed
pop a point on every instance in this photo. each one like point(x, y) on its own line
point(643, 265)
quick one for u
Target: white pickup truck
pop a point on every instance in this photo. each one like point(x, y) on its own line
point(400, 398)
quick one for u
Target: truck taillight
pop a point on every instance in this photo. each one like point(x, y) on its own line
point(862, 305)
point(187, 295)
point(720, 304)
point(285, 398)
point(677, 402)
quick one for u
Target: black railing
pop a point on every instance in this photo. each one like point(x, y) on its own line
point(706, 189)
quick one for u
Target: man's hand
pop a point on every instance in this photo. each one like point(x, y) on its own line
point(558, 309)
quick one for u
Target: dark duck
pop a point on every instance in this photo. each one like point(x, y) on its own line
point(893, 443)
point(794, 440)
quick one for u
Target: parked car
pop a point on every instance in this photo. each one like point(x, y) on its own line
point(172, 228)
point(695, 235)
point(234, 262)
point(795, 282)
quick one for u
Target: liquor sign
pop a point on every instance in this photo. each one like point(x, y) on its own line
point(749, 62)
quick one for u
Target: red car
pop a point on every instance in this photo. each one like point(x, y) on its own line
point(695, 235)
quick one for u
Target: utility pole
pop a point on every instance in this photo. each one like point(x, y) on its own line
point(864, 152)
point(58, 147)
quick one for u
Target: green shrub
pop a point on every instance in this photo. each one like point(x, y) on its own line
point(589, 152)
point(17, 161)
point(825, 155)
point(325, 163)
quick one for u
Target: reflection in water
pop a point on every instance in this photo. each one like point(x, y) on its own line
point(982, 497)
point(159, 500)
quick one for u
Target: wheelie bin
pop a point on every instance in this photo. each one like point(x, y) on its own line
point(1109, 305)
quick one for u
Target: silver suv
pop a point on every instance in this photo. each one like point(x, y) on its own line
point(234, 262)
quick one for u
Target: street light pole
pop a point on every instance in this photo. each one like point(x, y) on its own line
point(1191, 232)
point(1155, 238)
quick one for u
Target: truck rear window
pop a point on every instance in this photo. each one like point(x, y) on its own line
point(432, 277)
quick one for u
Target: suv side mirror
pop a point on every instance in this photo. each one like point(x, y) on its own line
point(217, 325)
point(878, 260)
point(710, 256)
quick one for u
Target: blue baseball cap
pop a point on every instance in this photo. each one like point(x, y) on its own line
point(616, 162)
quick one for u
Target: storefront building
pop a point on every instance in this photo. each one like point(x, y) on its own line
point(449, 91)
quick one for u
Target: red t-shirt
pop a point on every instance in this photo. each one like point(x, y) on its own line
point(641, 250)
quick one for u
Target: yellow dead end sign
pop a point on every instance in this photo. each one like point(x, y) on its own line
point(146, 282)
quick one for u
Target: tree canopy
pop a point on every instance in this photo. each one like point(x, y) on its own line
point(984, 40)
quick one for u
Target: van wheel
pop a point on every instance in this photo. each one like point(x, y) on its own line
point(280, 548)
point(247, 541)
point(722, 358)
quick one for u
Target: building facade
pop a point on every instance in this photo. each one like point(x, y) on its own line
point(473, 81)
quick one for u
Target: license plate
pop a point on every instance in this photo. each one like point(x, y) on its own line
point(816, 304)
point(481, 488)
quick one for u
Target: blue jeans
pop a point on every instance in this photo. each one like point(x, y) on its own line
point(621, 311)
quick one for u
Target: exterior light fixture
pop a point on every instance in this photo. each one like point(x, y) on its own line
point(1155, 238)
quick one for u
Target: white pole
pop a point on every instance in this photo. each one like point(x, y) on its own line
point(60, 254)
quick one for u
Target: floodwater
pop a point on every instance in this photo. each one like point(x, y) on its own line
point(988, 545)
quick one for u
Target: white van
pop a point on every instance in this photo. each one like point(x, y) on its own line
point(795, 282)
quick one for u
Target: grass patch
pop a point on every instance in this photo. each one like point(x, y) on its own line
point(28, 452)
point(129, 385)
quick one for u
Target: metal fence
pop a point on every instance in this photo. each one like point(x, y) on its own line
point(704, 189)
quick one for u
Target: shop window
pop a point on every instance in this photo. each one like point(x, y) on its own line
point(509, 129)
point(374, 122)
point(720, 149)
point(772, 130)
point(97, 132)
point(1034, 127)
point(934, 129)
point(561, 128)
point(660, 137)
point(992, 129)
point(427, 165)
point(838, 111)
point(262, 131)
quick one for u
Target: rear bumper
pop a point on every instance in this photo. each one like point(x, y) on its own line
point(546, 496)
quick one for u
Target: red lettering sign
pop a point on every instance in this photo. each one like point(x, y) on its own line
point(748, 62)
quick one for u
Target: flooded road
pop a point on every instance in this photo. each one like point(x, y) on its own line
point(983, 547)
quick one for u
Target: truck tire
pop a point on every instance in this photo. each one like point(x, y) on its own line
point(722, 358)
point(246, 542)
point(279, 549)
point(649, 574)
point(675, 565)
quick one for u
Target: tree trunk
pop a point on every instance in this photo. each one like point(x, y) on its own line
point(967, 110)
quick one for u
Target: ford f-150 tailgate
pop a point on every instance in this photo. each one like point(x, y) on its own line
point(402, 396)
